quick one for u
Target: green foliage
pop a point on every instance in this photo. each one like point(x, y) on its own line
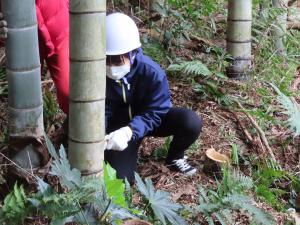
point(4, 136)
point(210, 89)
point(15, 206)
point(61, 167)
point(50, 108)
point(87, 200)
point(211, 204)
point(233, 181)
point(194, 68)
point(162, 151)
point(230, 196)
point(234, 154)
point(115, 187)
point(154, 49)
point(291, 109)
point(198, 13)
point(267, 186)
point(3, 87)
point(270, 66)
point(159, 201)
point(60, 206)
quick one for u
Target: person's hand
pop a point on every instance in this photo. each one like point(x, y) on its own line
point(118, 140)
point(3, 27)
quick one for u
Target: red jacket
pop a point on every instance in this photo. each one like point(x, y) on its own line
point(53, 31)
point(53, 25)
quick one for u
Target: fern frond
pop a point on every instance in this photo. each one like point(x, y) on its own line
point(243, 181)
point(221, 218)
point(291, 109)
point(243, 203)
point(15, 207)
point(196, 68)
point(227, 215)
point(233, 181)
point(222, 207)
point(160, 203)
point(60, 167)
point(210, 220)
point(202, 195)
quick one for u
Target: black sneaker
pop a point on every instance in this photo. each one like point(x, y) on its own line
point(182, 166)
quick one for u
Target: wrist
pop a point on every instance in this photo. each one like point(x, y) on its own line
point(128, 132)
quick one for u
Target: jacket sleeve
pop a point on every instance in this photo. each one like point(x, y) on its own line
point(44, 35)
point(156, 105)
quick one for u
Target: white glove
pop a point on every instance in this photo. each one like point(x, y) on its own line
point(118, 140)
point(3, 27)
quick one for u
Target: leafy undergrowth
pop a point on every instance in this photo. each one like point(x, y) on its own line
point(255, 122)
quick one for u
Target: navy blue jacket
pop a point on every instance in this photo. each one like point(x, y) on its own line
point(139, 100)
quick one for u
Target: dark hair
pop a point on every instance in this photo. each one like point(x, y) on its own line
point(116, 59)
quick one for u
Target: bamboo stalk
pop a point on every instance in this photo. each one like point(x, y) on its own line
point(280, 26)
point(23, 75)
point(239, 22)
point(87, 85)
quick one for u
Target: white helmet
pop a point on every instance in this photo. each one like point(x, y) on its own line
point(122, 34)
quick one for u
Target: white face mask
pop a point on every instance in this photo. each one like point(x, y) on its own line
point(117, 72)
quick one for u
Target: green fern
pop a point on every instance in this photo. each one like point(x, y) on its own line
point(60, 167)
point(15, 207)
point(196, 68)
point(50, 108)
point(162, 151)
point(230, 196)
point(160, 203)
point(59, 206)
point(243, 203)
point(212, 205)
point(266, 177)
point(233, 181)
point(291, 109)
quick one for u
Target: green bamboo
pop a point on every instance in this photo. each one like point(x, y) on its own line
point(280, 26)
point(23, 74)
point(87, 85)
point(239, 37)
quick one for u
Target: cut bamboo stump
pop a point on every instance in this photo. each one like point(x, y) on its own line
point(213, 162)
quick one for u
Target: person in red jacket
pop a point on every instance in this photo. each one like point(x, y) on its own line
point(53, 31)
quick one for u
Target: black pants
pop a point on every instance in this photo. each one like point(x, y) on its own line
point(183, 124)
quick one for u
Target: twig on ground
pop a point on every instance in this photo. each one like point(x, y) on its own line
point(295, 84)
point(260, 132)
point(244, 129)
point(293, 25)
point(2, 59)
point(47, 81)
point(12, 162)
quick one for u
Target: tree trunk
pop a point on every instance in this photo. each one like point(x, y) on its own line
point(239, 37)
point(280, 26)
point(87, 85)
point(24, 83)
